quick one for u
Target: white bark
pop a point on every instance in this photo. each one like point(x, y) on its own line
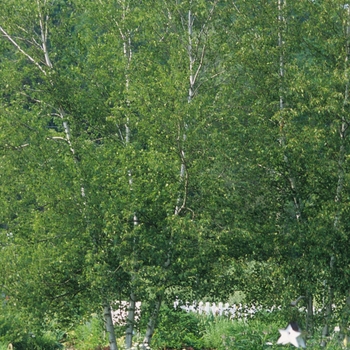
point(195, 65)
point(130, 322)
point(344, 125)
point(291, 178)
point(181, 201)
point(152, 323)
point(107, 313)
point(34, 61)
point(43, 21)
point(340, 183)
point(310, 314)
point(128, 53)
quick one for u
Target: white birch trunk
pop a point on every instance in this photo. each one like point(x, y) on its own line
point(152, 323)
point(129, 332)
point(291, 178)
point(182, 138)
point(127, 52)
point(181, 201)
point(44, 29)
point(310, 314)
point(107, 315)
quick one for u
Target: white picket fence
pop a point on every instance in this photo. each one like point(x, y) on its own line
point(120, 313)
point(233, 311)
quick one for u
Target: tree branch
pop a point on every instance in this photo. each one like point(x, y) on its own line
point(21, 50)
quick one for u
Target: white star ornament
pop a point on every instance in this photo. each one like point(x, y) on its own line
point(290, 336)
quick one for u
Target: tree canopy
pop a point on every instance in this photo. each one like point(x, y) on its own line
point(156, 148)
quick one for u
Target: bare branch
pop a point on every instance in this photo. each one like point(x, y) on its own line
point(120, 30)
point(2, 30)
point(44, 32)
point(22, 146)
point(33, 99)
point(18, 147)
point(57, 138)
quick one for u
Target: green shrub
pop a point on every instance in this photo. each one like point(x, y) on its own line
point(44, 342)
point(14, 330)
point(178, 329)
point(225, 334)
point(89, 335)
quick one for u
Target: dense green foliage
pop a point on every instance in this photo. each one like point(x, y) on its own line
point(162, 149)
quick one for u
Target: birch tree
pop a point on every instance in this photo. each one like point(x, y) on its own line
point(28, 209)
point(32, 40)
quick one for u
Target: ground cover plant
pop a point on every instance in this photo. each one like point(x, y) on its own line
point(188, 330)
point(177, 330)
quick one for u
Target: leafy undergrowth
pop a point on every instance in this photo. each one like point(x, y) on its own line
point(225, 334)
point(179, 330)
point(254, 334)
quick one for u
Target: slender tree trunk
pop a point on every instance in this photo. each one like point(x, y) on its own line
point(151, 325)
point(181, 200)
point(129, 332)
point(128, 53)
point(310, 314)
point(43, 22)
point(195, 65)
point(344, 321)
point(329, 295)
point(291, 178)
point(107, 313)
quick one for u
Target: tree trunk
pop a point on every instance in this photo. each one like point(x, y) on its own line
point(328, 311)
point(152, 323)
point(310, 314)
point(107, 315)
point(129, 332)
point(125, 35)
point(291, 178)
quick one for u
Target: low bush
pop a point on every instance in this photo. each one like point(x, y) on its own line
point(14, 330)
point(89, 335)
point(178, 329)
